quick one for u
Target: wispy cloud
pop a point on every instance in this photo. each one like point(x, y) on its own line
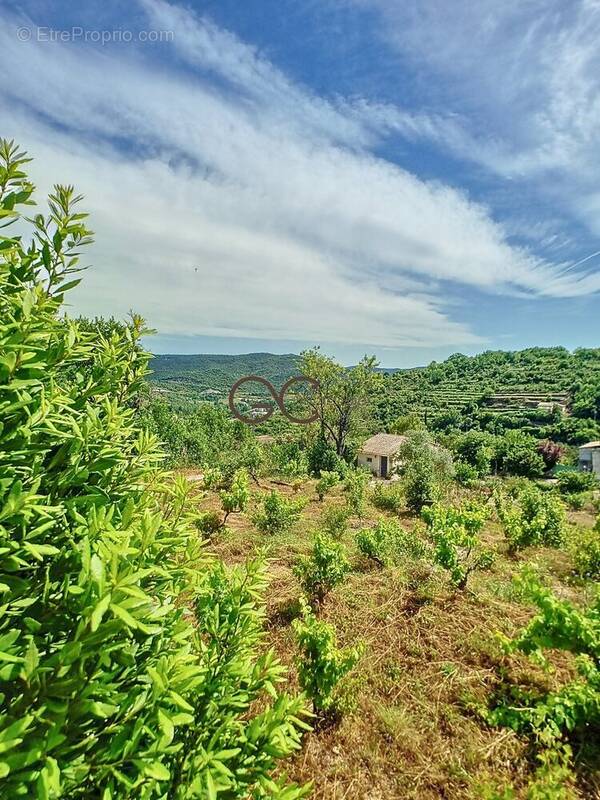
point(229, 200)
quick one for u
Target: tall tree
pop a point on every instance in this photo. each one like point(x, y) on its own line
point(343, 398)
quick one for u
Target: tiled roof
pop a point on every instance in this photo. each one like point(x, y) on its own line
point(383, 444)
point(589, 445)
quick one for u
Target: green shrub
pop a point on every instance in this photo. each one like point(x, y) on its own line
point(322, 665)
point(107, 688)
point(326, 482)
point(575, 502)
point(387, 542)
point(584, 545)
point(235, 499)
point(212, 478)
point(334, 521)
point(426, 468)
point(278, 514)
point(325, 568)
point(558, 625)
point(574, 482)
point(535, 518)
point(209, 523)
point(388, 497)
point(355, 488)
point(465, 474)
point(455, 534)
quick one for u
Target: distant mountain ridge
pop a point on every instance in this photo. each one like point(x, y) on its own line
point(211, 374)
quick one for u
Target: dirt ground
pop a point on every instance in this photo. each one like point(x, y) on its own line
point(431, 661)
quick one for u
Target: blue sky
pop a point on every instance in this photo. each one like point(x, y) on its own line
point(407, 179)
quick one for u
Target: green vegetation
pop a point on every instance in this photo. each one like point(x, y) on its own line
point(455, 535)
point(325, 568)
point(533, 518)
point(148, 629)
point(322, 665)
point(109, 686)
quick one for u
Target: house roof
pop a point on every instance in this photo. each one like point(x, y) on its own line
point(383, 444)
point(589, 446)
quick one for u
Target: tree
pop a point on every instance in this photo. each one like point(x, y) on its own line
point(550, 452)
point(407, 422)
point(425, 468)
point(343, 399)
point(131, 663)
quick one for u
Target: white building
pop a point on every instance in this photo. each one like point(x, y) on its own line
point(589, 457)
point(379, 454)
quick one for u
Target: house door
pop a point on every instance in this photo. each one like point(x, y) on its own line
point(384, 466)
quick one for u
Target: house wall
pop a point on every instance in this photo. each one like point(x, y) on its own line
point(589, 460)
point(374, 465)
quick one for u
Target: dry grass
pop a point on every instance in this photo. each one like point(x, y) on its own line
point(431, 660)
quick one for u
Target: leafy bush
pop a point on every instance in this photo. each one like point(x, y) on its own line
point(322, 665)
point(209, 523)
point(325, 568)
point(455, 534)
point(517, 454)
point(466, 474)
point(535, 518)
point(426, 468)
point(584, 545)
point(388, 497)
point(278, 514)
point(322, 457)
point(574, 481)
point(107, 688)
point(476, 449)
point(557, 626)
point(575, 501)
point(387, 541)
point(212, 478)
point(235, 499)
point(326, 482)
point(355, 488)
point(334, 521)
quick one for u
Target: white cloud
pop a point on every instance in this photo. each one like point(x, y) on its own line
point(296, 230)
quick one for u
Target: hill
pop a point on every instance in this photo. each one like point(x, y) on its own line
point(530, 389)
point(204, 376)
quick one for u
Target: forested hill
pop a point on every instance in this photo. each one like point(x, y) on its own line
point(213, 375)
point(521, 389)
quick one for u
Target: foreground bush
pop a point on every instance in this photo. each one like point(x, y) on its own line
point(325, 568)
point(584, 545)
point(108, 688)
point(535, 518)
point(387, 542)
point(277, 514)
point(388, 498)
point(322, 666)
point(455, 534)
point(558, 625)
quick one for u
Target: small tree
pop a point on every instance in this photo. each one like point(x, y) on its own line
point(278, 514)
point(550, 452)
point(355, 488)
point(322, 665)
point(343, 398)
point(426, 468)
point(455, 534)
point(325, 568)
point(334, 521)
point(535, 518)
point(326, 482)
point(235, 499)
